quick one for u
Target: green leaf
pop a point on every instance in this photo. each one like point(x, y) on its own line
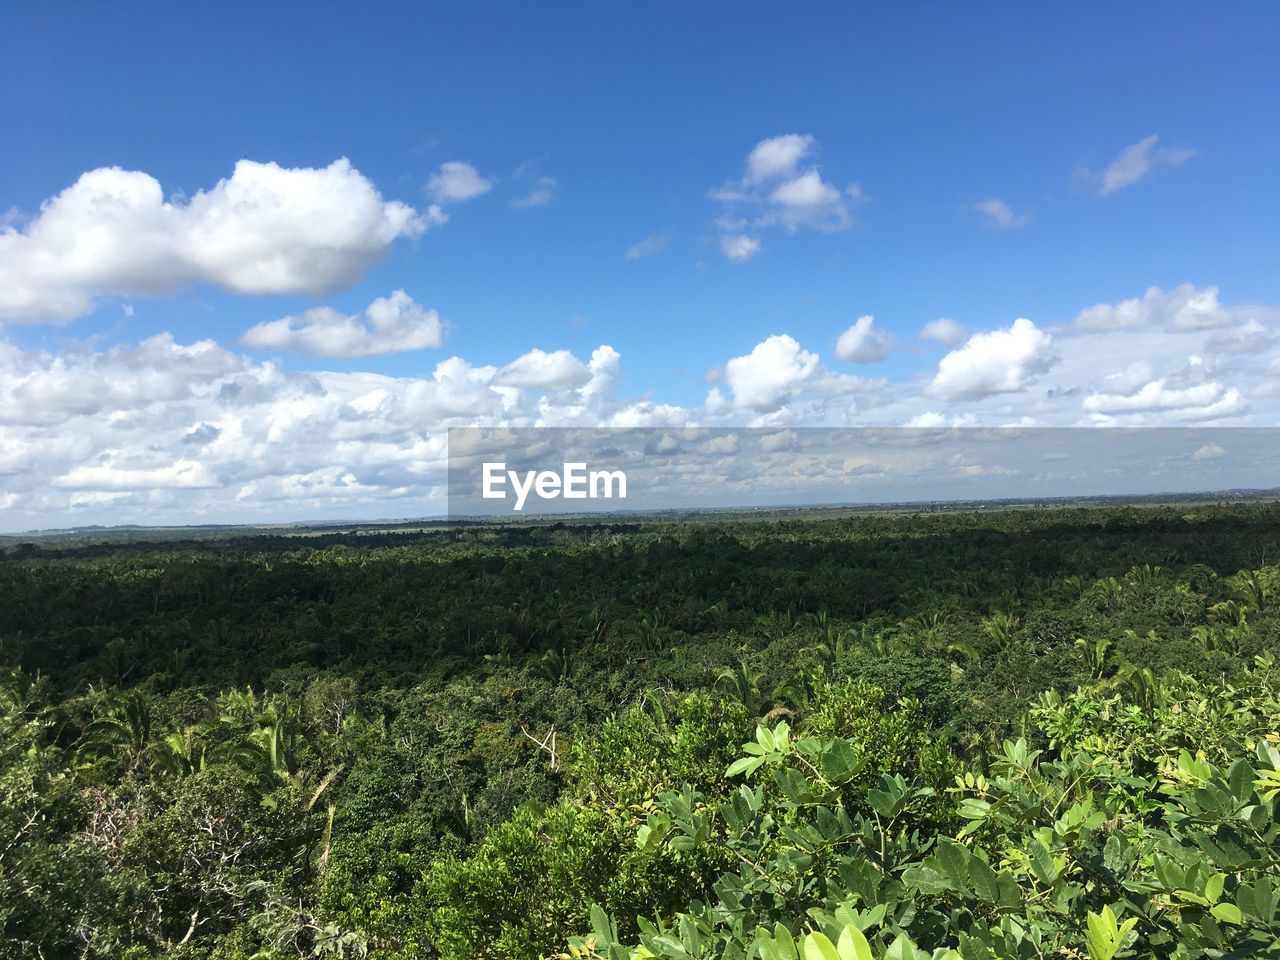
point(971, 808)
point(1105, 936)
point(1042, 863)
point(853, 945)
point(953, 858)
point(602, 926)
point(902, 948)
point(1213, 887)
point(985, 883)
point(1227, 913)
point(786, 943)
point(839, 762)
point(818, 947)
point(745, 765)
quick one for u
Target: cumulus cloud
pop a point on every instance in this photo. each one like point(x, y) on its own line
point(809, 201)
point(932, 420)
point(777, 156)
point(1191, 394)
point(1204, 401)
point(394, 324)
point(557, 370)
point(171, 431)
point(775, 369)
point(997, 213)
point(265, 229)
point(780, 186)
point(1186, 307)
point(1134, 162)
point(456, 181)
point(944, 330)
point(864, 342)
point(653, 243)
point(998, 361)
point(778, 372)
point(164, 429)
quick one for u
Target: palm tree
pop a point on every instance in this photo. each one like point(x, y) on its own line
point(1107, 592)
point(1143, 574)
point(555, 666)
point(1230, 611)
point(1095, 655)
point(178, 754)
point(1001, 627)
point(742, 684)
point(122, 730)
point(1254, 590)
point(776, 624)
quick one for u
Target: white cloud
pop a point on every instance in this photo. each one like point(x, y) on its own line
point(1000, 214)
point(1251, 338)
point(1190, 394)
point(739, 247)
point(1210, 451)
point(182, 474)
point(264, 230)
point(557, 370)
point(1186, 307)
point(456, 181)
point(781, 382)
point(930, 419)
point(774, 370)
point(780, 188)
point(543, 192)
point(1135, 162)
point(807, 200)
point(777, 156)
point(179, 432)
point(395, 324)
point(173, 431)
point(864, 342)
point(781, 440)
point(944, 330)
point(653, 243)
point(998, 361)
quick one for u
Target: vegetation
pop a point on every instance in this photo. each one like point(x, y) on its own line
point(1024, 734)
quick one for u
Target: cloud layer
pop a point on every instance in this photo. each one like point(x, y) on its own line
point(165, 431)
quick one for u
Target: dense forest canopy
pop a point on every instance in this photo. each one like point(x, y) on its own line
point(1008, 734)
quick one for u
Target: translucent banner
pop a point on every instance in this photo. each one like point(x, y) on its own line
point(525, 472)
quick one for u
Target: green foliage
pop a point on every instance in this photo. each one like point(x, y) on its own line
point(1098, 846)
point(1018, 734)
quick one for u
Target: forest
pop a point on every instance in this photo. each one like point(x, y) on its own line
point(1001, 734)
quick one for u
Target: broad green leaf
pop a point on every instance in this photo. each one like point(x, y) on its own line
point(1227, 913)
point(852, 945)
point(1213, 887)
point(818, 947)
point(744, 765)
point(985, 883)
point(1105, 936)
point(1042, 863)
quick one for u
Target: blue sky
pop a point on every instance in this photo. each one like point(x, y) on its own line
point(612, 126)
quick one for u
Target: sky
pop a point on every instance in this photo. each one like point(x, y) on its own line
point(254, 264)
